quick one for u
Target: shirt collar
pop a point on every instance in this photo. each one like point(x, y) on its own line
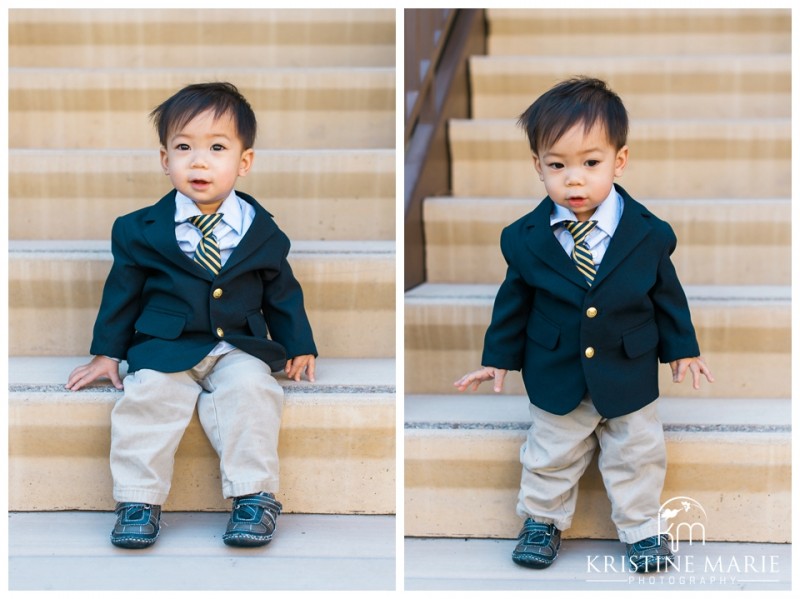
point(230, 208)
point(607, 214)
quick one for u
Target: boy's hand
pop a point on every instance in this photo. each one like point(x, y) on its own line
point(296, 366)
point(99, 367)
point(696, 365)
point(484, 374)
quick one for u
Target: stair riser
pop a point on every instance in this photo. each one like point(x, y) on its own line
point(246, 38)
point(313, 195)
point(746, 160)
point(337, 455)
point(646, 106)
point(693, 87)
point(638, 32)
point(109, 109)
point(641, 44)
point(719, 242)
point(731, 476)
point(350, 302)
point(747, 349)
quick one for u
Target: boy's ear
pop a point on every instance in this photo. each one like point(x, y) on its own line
point(538, 166)
point(246, 162)
point(621, 161)
point(164, 160)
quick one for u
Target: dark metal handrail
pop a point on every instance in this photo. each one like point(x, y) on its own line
point(438, 44)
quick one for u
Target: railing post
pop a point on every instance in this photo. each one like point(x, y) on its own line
point(438, 44)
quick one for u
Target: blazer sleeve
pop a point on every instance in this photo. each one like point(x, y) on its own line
point(119, 307)
point(677, 338)
point(284, 311)
point(504, 342)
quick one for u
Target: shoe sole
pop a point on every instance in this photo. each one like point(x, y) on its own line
point(132, 542)
point(529, 562)
point(241, 539)
point(660, 566)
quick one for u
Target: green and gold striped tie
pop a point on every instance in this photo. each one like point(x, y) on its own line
point(207, 252)
point(580, 253)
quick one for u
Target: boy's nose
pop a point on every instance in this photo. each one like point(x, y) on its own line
point(573, 177)
point(198, 160)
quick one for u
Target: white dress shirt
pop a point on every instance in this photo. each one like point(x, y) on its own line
point(607, 216)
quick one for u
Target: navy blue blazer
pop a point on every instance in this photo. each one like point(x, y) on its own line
point(161, 310)
point(570, 339)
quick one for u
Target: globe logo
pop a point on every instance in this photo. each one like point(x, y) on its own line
point(682, 518)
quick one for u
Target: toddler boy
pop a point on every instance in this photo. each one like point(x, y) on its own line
point(590, 304)
point(197, 282)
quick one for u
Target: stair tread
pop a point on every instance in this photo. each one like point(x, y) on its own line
point(61, 550)
point(484, 565)
point(501, 411)
point(27, 374)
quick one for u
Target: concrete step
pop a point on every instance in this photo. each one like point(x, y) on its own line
point(484, 565)
point(337, 443)
point(55, 290)
point(108, 108)
point(62, 551)
point(642, 32)
point(732, 455)
point(202, 38)
point(714, 86)
point(313, 194)
point(744, 334)
point(720, 241)
point(668, 159)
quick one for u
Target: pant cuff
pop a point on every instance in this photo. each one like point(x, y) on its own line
point(639, 533)
point(132, 494)
point(231, 490)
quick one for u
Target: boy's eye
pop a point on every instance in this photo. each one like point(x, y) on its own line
point(555, 165)
point(592, 162)
point(217, 147)
point(182, 147)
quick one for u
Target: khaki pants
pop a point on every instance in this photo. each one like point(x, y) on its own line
point(239, 404)
point(632, 463)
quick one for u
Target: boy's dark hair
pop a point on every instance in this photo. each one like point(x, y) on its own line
point(571, 102)
point(221, 97)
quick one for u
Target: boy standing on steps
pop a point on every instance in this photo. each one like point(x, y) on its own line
point(590, 304)
point(198, 281)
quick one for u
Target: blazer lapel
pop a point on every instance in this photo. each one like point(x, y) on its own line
point(632, 229)
point(541, 241)
point(261, 229)
point(160, 233)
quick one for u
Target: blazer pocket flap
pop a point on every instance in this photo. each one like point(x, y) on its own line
point(641, 339)
point(164, 325)
point(542, 331)
point(257, 324)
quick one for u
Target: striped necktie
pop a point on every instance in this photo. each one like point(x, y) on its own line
point(580, 253)
point(207, 252)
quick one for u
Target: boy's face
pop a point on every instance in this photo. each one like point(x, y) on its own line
point(578, 170)
point(204, 159)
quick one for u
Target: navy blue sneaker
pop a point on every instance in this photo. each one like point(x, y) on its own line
point(253, 519)
point(137, 525)
point(651, 554)
point(537, 545)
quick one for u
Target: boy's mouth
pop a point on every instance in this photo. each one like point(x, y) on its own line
point(199, 183)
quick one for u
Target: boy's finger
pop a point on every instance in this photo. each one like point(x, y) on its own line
point(499, 377)
point(310, 372)
point(679, 373)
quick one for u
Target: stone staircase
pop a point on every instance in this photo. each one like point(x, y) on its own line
point(81, 152)
point(708, 98)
